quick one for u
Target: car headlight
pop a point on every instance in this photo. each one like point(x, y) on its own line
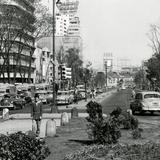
point(143, 105)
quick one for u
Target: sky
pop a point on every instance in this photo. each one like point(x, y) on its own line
point(117, 26)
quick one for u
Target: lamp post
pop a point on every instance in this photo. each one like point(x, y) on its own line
point(85, 83)
point(54, 93)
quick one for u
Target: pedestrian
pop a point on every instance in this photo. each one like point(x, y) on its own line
point(76, 95)
point(133, 93)
point(93, 93)
point(36, 113)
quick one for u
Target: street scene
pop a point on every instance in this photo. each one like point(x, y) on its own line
point(79, 80)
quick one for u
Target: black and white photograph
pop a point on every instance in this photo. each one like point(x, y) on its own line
point(79, 79)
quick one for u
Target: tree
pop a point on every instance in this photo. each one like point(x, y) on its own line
point(44, 20)
point(73, 60)
point(60, 56)
point(100, 79)
point(153, 64)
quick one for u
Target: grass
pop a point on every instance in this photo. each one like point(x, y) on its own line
point(69, 138)
point(72, 137)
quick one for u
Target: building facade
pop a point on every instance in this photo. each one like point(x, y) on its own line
point(44, 64)
point(62, 23)
point(17, 41)
point(74, 27)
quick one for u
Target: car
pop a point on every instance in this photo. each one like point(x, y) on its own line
point(64, 97)
point(99, 91)
point(82, 93)
point(145, 101)
point(42, 95)
point(11, 101)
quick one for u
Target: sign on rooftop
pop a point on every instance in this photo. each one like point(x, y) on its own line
point(67, 6)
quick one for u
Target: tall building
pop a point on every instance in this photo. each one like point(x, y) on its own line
point(74, 27)
point(17, 41)
point(67, 22)
point(62, 23)
point(44, 64)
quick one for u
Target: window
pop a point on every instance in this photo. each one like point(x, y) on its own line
point(43, 53)
point(51, 74)
point(138, 96)
point(151, 96)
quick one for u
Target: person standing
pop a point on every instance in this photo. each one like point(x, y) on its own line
point(36, 113)
point(133, 93)
point(76, 95)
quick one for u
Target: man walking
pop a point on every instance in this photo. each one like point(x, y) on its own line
point(36, 113)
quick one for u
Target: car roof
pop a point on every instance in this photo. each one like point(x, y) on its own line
point(148, 92)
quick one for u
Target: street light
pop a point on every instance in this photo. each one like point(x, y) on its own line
point(54, 93)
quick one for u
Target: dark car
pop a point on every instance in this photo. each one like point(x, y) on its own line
point(13, 100)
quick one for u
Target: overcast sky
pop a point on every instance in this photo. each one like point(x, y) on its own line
point(117, 26)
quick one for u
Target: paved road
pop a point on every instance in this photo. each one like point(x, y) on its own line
point(118, 99)
point(122, 99)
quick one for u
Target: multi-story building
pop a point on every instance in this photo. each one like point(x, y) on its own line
point(74, 27)
point(17, 41)
point(44, 64)
point(62, 23)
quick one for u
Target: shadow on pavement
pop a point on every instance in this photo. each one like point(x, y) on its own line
point(85, 142)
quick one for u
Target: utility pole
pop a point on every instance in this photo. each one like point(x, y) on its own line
point(106, 71)
point(54, 93)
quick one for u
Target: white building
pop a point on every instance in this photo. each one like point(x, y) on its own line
point(62, 24)
point(44, 65)
point(74, 27)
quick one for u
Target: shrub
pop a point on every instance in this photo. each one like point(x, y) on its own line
point(128, 121)
point(19, 146)
point(99, 129)
point(146, 151)
point(136, 133)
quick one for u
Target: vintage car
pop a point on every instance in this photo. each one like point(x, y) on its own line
point(146, 101)
point(82, 93)
point(42, 95)
point(12, 102)
point(64, 97)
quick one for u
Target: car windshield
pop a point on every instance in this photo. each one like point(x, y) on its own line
point(151, 96)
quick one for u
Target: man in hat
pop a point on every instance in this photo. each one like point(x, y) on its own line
point(36, 112)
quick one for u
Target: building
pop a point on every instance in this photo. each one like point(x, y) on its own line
point(112, 79)
point(62, 43)
point(62, 24)
point(74, 27)
point(17, 41)
point(44, 64)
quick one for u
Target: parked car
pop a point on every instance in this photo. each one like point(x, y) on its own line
point(64, 97)
point(11, 101)
point(49, 98)
point(146, 101)
point(99, 91)
point(83, 94)
point(42, 95)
